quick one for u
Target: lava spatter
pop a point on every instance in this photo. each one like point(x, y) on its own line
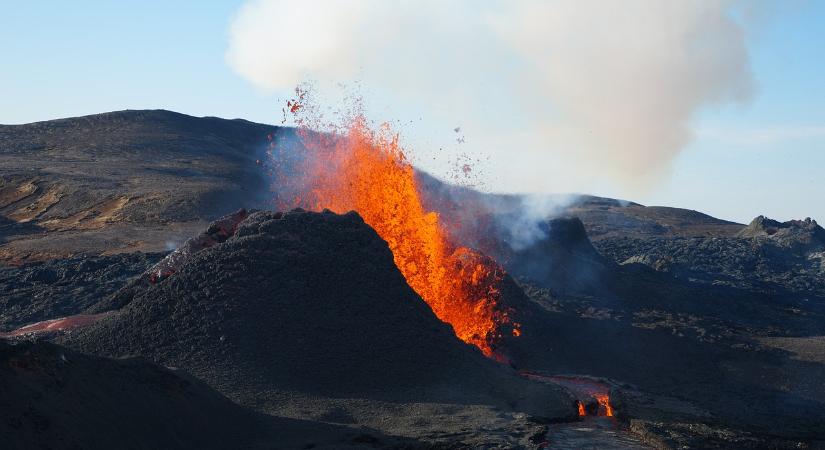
point(367, 171)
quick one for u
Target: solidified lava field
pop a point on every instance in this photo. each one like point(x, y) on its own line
point(298, 329)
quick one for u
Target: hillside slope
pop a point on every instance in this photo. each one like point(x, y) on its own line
point(148, 179)
point(59, 399)
point(122, 181)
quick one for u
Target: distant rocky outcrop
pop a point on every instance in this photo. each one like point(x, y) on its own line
point(804, 235)
point(765, 255)
point(605, 219)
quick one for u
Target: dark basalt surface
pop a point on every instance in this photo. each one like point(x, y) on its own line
point(743, 263)
point(47, 290)
point(55, 398)
point(679, 306)
point(730, 326)
point(711, 333)
point(308, 303)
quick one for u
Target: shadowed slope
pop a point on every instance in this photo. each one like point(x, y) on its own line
point(308, 303)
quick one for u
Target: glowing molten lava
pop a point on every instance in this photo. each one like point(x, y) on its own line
point(593, 397)
point(604, 404)
point(368, 172)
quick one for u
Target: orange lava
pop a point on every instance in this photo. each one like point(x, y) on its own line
point(584, 389)
point(368, 172)
point(604, 403)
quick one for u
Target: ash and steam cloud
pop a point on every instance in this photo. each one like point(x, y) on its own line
point(556, 92)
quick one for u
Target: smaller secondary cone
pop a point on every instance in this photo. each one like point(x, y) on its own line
point(563, 259)
point(308, 303)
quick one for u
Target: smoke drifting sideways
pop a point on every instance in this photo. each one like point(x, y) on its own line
point(555, 92)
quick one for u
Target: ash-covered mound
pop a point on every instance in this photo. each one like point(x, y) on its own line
point(308, 303)
point(52, 397)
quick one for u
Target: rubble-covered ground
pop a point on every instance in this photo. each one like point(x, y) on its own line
point(709, 334)
point(56, 398)
point(42, 290)
point(304, 316)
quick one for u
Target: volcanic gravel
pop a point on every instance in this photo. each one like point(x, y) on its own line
point(54, 398)
point(717, 324)
point(63, 287)
point(309, 303)
point(767, 256)
point(705, 320)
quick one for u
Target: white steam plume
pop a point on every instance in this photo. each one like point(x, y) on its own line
point(584, 87)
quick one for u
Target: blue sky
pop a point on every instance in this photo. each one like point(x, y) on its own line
point(767, 157)
point(74, 58)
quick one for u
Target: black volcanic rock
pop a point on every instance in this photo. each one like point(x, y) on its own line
point(608, 218)
point(805, 234)
point(62, 287)
point(703, 319)
point(309, 303)
point(219, 231)
point(52, 397)
point(767, 256)
point(563, 259)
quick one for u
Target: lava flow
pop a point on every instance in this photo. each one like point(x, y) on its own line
point(367, 171)
point(55, 325)
point(592, 395)
point(604, 404)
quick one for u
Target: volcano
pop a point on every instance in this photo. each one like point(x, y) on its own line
point(361, 169)
point(699, 332)
point(308, 305)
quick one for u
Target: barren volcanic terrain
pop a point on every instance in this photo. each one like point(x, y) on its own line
point(122, 181)
point(628, 326)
